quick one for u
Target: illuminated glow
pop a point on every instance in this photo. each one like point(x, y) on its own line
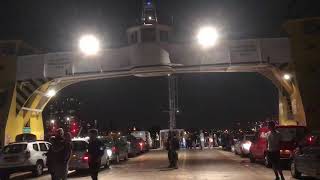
point(89, 45)
point(287, 76)
point(68, 119)
point(150, 18)
point(207, 37)
point(51, 93)
point(109, 152)
point(246, 146)
point(52, 121)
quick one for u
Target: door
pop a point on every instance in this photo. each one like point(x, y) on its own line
point(36, 154)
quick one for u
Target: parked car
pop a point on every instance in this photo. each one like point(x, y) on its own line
point(290, 135)
point(133, 145)
point(146, 136)
point(119, 148)
point(79, 158)
point(242, 146)
point(142, 145)
point(24, 156)
point(306, 159)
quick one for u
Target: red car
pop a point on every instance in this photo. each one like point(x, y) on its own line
point(290, 136)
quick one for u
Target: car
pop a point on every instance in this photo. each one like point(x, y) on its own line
point(118, 146)
point(242, 146)
point(306, 159)
point(133, 145)
point(142, 145)
point(290, 135)
point(79, 158)
point(24, 156)
point(146, 136)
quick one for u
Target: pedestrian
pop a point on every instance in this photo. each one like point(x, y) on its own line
point(273, 148)
point(58, 156)
point(68, 142)
point(95, 151)
point(172, 147)
point(201, 138)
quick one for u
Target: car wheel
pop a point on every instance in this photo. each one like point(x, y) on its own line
point(294, 172)
point(252, 159)
point(267, 162)
point(38, 171)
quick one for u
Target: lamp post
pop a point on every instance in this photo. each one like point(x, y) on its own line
point(207, 36)
point(89, 45)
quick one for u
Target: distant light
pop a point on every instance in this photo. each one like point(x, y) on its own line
point(68, 119)
point(52, 121)
point(119, 133)
point(287, 76)
point(207, 37)
point(150, 18)
point(51, 93)
point(169, 74)
point(89, 45)
point(177, 111)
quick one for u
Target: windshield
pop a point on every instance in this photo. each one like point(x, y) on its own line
point(79, 145)
point(14, 148)
point(292, 134)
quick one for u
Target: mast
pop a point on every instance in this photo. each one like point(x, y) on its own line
point(149, 12)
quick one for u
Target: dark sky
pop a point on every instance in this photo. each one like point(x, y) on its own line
point(207, 100)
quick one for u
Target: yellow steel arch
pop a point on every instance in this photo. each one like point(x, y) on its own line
point(31, 113)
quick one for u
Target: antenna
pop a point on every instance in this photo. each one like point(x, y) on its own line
point(149, 13)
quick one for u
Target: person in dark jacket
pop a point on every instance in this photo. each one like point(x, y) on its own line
point(95, 151)
point(58, 156)
point(172, 147)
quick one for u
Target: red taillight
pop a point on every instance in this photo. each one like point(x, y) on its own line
point(85, 157)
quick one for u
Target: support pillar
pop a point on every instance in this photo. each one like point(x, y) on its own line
point(305, 47)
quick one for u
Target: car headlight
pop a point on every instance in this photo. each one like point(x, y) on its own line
point(109, 152)
point(246, 145)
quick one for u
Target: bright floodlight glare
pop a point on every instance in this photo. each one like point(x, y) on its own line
point(287, 76)
point(89, 44)
point(51, 93)
point(207, 36)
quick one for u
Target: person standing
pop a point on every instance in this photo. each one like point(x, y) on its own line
point(58, 156)
point(95, 151)
point(201, 137)
point(172, 147)
point(273, 148)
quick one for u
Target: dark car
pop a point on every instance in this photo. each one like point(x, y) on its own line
point(306, 159)
point(133, 145)
point(119, 148)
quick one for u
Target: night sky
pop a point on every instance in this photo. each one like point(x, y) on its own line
point(206, 100)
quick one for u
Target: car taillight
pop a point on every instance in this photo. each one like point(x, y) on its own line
point(85, 157)
point(285, 151)
point(27, 154)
